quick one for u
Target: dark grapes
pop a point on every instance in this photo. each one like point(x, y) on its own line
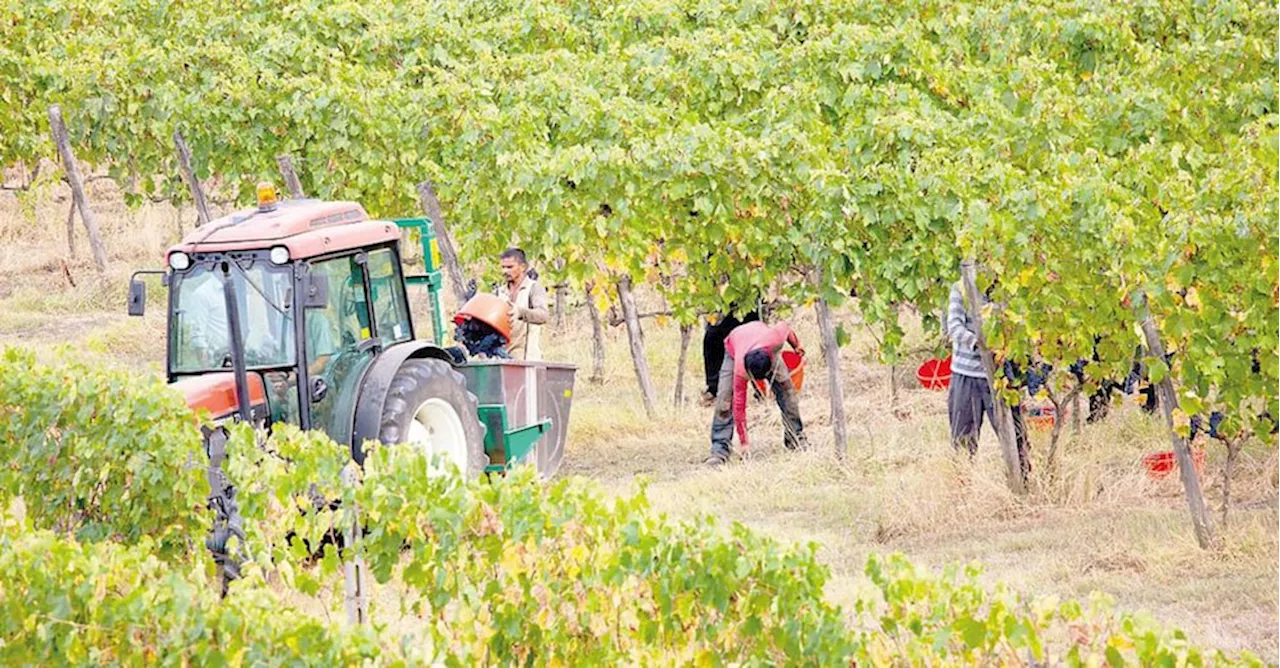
point(481, 339)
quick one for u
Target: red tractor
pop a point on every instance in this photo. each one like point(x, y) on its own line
point(297, 312)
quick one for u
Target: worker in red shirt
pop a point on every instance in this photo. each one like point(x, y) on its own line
point(753, 351)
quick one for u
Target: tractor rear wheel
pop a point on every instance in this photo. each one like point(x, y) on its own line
point(428, 406)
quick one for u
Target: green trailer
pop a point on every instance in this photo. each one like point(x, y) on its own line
point(524, 406)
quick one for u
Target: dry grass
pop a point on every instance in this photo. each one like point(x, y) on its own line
point(1102, 525)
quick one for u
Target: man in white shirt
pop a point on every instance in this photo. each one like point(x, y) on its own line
point(528, 303)
point(204, 309)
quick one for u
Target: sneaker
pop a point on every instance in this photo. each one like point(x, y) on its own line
point(707, 399)
point(715, 461)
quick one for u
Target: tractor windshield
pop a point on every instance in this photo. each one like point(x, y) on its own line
point(200, 328)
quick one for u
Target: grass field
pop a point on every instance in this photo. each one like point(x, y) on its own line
point(1101, 526)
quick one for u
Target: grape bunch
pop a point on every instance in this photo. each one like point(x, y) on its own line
point(1197, 425)
point(481, 339)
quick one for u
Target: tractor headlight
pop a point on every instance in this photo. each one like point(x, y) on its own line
point(179, 261)
point(279, 255)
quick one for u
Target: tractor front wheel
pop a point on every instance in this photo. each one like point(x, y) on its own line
point(428, 406)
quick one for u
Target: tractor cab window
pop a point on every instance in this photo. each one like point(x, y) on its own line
point(390, 306)
point(201, 335)
point(333, 336)
point(343, 322)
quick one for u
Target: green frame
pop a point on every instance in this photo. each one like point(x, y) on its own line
point(514, 445)
point(434, 277)
point(509, 446)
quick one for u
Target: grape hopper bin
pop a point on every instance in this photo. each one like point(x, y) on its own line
point(524, 407)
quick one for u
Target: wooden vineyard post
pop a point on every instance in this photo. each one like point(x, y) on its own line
point(831, 357)
point(449, 256)
point(189, 175)
point(1228, 470)
point(636, 338)
point(63, 142)
point(1200, 518)
point(354, 581)
point(71, 229)
point(290, 176)
point(893, 387)
point(562, 294)
point(597, 339)
point(1003, 416)
point(1075, 416)
point(686, 334)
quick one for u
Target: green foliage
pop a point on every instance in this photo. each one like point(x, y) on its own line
point(522, 569)
point(495, 571)
point(1083, 151)
point(69, 603)
point(952, 619)
point(284, 486)
point(100, 455)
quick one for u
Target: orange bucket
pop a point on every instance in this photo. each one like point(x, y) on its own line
point(1160, 464)
point(489, 309)
point(1041, 418)
point(795, 364)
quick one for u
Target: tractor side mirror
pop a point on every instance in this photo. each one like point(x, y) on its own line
point(138, 291)
point(137, 297)
point(317, 295)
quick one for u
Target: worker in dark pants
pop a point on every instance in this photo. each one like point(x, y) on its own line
point(969, 398)
point(754, 352)
point(717, 330)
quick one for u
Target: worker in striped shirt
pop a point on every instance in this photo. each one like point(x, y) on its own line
point(969, 397)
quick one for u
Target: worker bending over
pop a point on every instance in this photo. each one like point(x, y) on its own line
point(753, 352)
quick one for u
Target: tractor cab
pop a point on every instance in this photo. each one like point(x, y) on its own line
point(298, 312)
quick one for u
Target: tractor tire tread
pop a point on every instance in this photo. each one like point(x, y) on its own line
point(420, 379)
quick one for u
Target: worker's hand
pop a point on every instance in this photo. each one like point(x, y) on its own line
point(514, 311)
